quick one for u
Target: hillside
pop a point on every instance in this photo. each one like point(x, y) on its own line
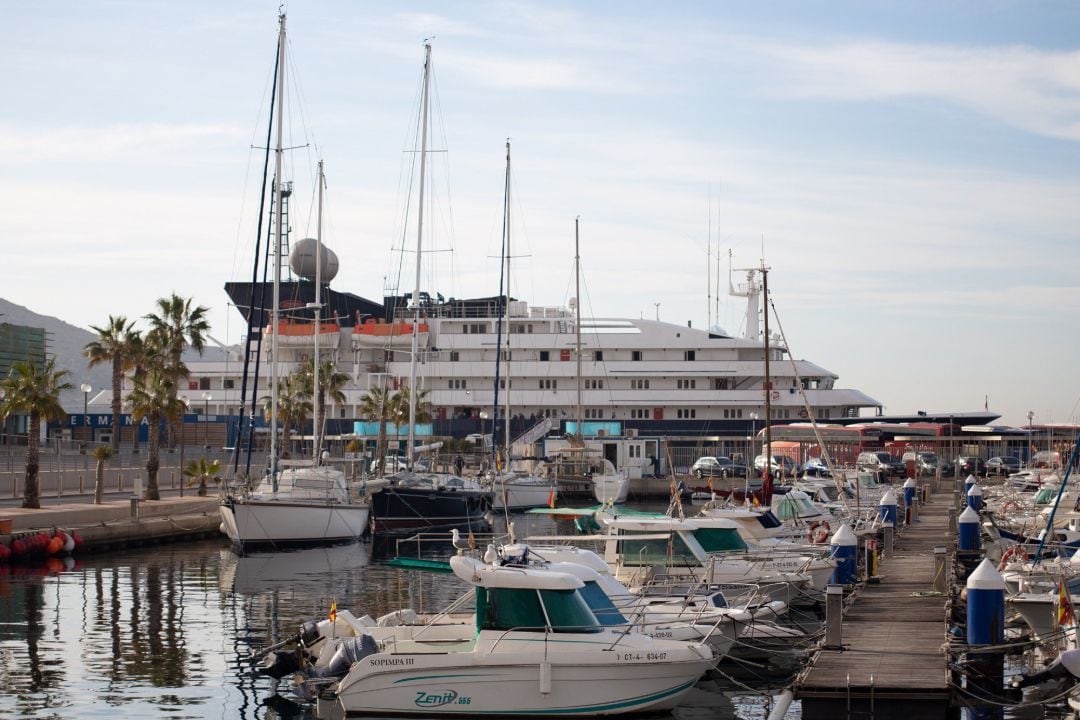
point(66, 343)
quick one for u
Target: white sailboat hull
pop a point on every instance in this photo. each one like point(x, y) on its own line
point(267, 522)
point(611, 489)
point(522, 493)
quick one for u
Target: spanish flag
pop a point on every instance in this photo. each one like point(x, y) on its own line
point(1065, 614)
point(551, 498)
point(333, 611)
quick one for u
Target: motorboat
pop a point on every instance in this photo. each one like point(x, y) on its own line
point(537, 649)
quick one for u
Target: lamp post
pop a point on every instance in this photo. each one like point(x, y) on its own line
point(750, 454)
point(1030, 447)
point(207, 397)
point(186, 402)
point(86, 388)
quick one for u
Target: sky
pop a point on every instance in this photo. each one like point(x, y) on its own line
point(909, 171)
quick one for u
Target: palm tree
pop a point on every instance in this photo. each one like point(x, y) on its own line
point(154, 398)
point(399, 411)
point(101, 453)
point(36, 393)
point(375, 407)
point(293, 408)
point(175, 326)
point(331, 386)
point(139, 359)
point(112, 345)
point(202, 470)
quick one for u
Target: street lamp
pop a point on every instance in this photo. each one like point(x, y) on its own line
point(1031, 445)
point(751, 455)
point(207, 397)
point(86, 388)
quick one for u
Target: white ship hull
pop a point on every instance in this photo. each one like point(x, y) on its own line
point(270, 522)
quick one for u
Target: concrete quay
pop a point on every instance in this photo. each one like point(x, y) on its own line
point(118, 523)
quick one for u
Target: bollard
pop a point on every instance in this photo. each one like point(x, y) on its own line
point(941, 568)
point(834, 615)
point(80, 484)
point(136, 487)
point(915, 510)
point(968, 482)
point(135, 507)
point(870, 562)
point(952, 519)
point(986, 626)
point(887, 508)
point(909, 497)
point(887, 539)
point(974, 498)
point(845, 549)
point(119, 482)
point(968, 523)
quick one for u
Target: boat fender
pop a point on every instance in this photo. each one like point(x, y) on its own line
point(349, 652)
point(819, 532)
point(1013, 552)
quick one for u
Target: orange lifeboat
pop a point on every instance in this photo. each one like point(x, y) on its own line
point(380, 334)
point(303, 333)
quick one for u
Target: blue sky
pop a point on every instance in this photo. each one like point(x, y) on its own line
point(911, 169)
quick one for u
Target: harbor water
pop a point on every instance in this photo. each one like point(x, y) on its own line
point(170, 631)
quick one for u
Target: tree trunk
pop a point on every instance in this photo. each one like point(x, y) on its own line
point(31, 488)
point(117, 374)
point(99, 481)
point(202, 486)
point(152, 462)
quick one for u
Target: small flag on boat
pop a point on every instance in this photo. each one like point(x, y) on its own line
point(1065, 614)
point(333, 611)
point(551, 498)
point(756, 502)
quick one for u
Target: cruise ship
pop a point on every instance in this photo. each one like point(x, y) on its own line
point(637, 376)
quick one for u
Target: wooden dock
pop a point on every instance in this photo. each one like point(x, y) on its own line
point(891, 665)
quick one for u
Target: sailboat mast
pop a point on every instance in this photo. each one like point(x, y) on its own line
point(277, 258)
point(419, 251)
point(317, 427)
point(767, 485)
point(577, 320)
point(506, 410)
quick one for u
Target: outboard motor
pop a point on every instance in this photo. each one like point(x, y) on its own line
point(1065, 667)
point(277, 663)
point(351, 650)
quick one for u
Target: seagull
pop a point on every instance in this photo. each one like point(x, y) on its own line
point(491, 555)
point(455, 537)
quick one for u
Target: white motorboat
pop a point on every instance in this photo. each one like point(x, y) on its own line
point(537, 650)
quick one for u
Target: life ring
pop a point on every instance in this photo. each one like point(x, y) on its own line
point(803, 413)
point(819, 532)
point(1015, 551)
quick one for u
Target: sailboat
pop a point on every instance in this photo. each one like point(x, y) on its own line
point(304, 501)
point(514, 489)
point(412, 501)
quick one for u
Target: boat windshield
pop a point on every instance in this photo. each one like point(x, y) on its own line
point(769, 520)
point(529, 610)
point(716, 540)
point(640, 553)
point(601, 605)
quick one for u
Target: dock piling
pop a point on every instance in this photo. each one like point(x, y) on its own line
point(834, 617)
point(941, 568)
point(887, 539)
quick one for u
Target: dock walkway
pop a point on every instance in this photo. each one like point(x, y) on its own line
point(892, 664)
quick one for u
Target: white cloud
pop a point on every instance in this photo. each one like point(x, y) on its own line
point(1036, 90)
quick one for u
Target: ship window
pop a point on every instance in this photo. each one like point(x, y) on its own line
point(204, 383)
point(454, 356)
point(545, 356)
point(601, 605)
point(739, 412)
point(598, 355)
point(720, 539)
point(689, 355)
point(721, 384)
point(457, 384)
point(644, 553)
point(635, 355)
point(228, 383)
point(549, 384)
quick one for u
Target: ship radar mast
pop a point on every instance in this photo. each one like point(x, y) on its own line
point(751, 290)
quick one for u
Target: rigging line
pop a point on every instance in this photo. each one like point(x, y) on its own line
point(251, 294)
point(806, 404)
point(446, 165)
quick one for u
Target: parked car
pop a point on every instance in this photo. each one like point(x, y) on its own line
point(816, 467)
point(948, 469)
point(969, 465)
point(1002, 465)
point(926, 462)
point(781, 465)
point(719, 466)
point(393, 464)
point(882, 463)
